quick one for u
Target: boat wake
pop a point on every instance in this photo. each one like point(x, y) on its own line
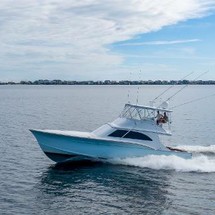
point(199, 163)
point(207, 150)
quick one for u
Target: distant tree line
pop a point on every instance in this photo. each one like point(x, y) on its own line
point(110, 82)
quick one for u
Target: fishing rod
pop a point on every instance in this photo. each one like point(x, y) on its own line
point(185, 86)
point(170, 87)
point(194, 100)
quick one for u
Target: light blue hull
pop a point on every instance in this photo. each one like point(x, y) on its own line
point(61, 148)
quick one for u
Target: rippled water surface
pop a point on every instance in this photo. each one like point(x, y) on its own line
point(33, 184)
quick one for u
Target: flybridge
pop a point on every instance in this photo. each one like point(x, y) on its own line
point(140, 112)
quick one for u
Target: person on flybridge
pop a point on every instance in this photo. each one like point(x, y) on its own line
point(165, 118)
point(161, 118)
point(158, 117)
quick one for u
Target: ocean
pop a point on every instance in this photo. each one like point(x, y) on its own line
point(33, 184)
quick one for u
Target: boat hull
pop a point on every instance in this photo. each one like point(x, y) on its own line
point(62, 148)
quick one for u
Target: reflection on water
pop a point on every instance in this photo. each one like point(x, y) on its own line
point(113, 188)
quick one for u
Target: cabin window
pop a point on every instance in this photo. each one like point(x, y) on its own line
point(130, 135)
point(118, 133)
point(137, 135)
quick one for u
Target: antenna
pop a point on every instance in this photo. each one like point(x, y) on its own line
point(129, 82)
point(138, 89)
point(185, 86)
point(170, 87)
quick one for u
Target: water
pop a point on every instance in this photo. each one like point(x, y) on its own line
point(33, 184)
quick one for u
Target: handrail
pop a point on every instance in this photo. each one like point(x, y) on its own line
point(148, 107)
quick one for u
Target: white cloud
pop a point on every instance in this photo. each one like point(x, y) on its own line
point(164, 42)
point(68, 38)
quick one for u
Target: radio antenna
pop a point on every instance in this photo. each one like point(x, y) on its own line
point(129, 83)
point(138, 89)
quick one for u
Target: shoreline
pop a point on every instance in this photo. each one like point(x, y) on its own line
point(109, 82)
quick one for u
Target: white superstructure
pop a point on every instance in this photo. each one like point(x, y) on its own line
point(137, 124)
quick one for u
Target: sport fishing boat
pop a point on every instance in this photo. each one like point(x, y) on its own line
point(135, 133)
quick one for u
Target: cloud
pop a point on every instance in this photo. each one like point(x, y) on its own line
point(70, 39)
point(165, 42)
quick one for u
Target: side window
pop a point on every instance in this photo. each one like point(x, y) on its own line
point(137, 135)
point(131, 135)
point(118, 133)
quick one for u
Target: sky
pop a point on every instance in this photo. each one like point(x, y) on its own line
point(108, 39)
